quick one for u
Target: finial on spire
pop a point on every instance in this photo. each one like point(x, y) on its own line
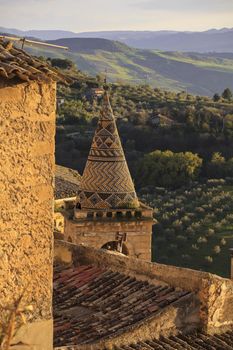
point(106, 88)
point(105, 84)
point(106, 111)
point(105, 77)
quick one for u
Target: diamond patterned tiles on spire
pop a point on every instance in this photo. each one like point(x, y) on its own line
point(106, 175)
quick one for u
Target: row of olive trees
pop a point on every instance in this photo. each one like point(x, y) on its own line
point(195, 222)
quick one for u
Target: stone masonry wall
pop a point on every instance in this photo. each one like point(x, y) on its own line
point(27, 129)
point(97, 233)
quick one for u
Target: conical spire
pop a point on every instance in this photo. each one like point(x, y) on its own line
point(106, 181)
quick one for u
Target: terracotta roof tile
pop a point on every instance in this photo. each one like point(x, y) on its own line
point(66, 182)
point(192, 341)
point(91, 303)
point(16, 63)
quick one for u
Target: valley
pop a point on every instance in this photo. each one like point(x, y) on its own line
point(199, 74)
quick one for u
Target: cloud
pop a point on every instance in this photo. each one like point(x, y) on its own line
point(200, 6)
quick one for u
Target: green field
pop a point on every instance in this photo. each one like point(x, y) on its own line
point(200, 60)
point(194, 226)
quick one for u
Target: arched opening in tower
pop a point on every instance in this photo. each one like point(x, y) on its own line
point(116, 247)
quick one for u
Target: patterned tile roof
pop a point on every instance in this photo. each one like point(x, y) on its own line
point(195, 341)
point(16, 63)
point(106, 181)
point(92, 304)
point(67, 182)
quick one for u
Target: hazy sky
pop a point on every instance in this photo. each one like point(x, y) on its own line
point(91, 15)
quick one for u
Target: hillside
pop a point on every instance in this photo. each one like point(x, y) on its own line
point(92, 44)
point(211, 40)
point(207, 41)
point(40, 34)
point(202, 74)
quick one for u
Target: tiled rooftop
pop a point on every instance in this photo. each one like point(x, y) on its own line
point(16, 63)
point(92, 304)
point(195, 341)
point(66, 182)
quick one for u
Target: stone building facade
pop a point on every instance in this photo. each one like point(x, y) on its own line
point(108, 213)
point(106, 229)
point(27, 119)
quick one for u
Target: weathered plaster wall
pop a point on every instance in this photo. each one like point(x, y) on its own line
point(96, 233)
point(27, 129)
point(214, 293)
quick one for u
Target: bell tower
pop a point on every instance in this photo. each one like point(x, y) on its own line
point(108, 213)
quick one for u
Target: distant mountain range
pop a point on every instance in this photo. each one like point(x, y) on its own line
point(198, 73)
point(213, 40)
point(208, 41)
point(40, 34)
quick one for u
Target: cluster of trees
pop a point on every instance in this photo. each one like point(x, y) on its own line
point(173, 170)
point(74, 112)
point(168, 169)
point(61, 63)
point(219, 167)
point(226, 95)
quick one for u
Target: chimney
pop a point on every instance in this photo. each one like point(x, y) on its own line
point(231, 252)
